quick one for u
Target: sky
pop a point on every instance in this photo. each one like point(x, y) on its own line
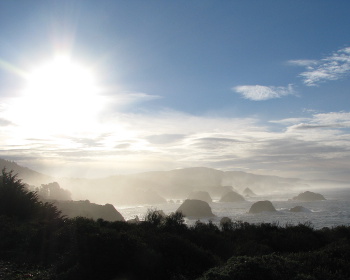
point(98, 88)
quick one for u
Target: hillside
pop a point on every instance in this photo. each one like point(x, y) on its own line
point(28, 175)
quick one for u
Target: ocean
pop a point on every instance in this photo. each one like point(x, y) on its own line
point(333, 211)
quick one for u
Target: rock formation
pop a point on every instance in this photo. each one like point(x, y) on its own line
point(232, 197)
point(262, 206)
point(86, 209)
point(248, 192)
point(195, 208)
point(309, 196)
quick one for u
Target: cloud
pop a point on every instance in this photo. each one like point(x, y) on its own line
point(289, 121)
point(164, 138)
point(4, 122)
point(132, 97)
point(331, 68)
point(123, 146)
point(259, 93)
point(312, 126)
point(125, 100)
point(335, 117)
point(332, 120)
point(303, 62)
point(215, 143)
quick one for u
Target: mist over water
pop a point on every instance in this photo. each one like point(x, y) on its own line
point(332, 212)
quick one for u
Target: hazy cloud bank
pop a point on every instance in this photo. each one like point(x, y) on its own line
point(170, 139)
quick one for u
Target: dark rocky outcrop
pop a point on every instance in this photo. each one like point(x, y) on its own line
point(309, 196)
point(232, 197)
point(262, 206)
point(248, 192)
point(300, 209)
point(200, 195)
point(195, 208)
point(86, 209)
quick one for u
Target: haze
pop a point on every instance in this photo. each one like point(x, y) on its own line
point(99, 88)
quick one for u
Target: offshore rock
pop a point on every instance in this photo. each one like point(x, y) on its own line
point(195, 208)
point(309, 196)
point(248, 192)
point(262, 206)
point(84, 208)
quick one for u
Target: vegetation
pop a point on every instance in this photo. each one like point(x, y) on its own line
point(36, 242)
point(53, 191)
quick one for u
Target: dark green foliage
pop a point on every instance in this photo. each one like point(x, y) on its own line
point(175, 222)
point(15, 200)
point(270, 267)
point(10, 271)
point(27, 224)
point(331, 262)
point(226, 224)
point(154, 217)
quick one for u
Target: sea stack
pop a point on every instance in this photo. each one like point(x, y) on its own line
point(248, 192)
point(262, 206)
point(309, 196)
point(195, 208)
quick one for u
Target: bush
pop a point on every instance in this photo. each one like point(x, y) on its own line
point(15, 200)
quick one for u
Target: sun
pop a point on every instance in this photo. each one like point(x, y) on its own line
point(61, 94)
point(61, 78)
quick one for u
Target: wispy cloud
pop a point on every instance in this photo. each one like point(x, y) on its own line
point(124, 100)
point(4, 122)
point(259, 93)
point(330, 68)
point(303, 62)
point(289, 121)
point(160, 139)
point(305, 126)
point(332, 120)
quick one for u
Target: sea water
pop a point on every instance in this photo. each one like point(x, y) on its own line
point(332, 212)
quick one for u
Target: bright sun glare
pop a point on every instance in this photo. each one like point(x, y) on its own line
point(61, 78)
point(61, 94)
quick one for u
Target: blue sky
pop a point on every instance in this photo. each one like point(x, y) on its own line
point(257, 86)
